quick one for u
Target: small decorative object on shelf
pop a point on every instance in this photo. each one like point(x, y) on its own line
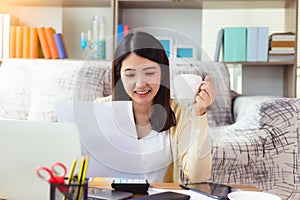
point(98, 38)
point(83, 43)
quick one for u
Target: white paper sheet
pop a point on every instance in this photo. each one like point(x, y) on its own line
point(108, 135)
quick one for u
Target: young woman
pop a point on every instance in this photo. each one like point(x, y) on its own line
point(140, 73)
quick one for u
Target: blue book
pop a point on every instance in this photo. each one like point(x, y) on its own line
point(263, 44)
point(235, 44)
point(120, 33)
point(60, 45)
point(252, 43)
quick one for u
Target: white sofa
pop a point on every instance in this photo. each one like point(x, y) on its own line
point(255, 139)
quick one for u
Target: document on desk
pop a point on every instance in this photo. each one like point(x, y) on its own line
point(193, 195)
point(108, 136)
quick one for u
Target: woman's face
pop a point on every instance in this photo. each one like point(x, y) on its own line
point(141, 78)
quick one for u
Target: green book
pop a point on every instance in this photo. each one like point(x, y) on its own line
point(235, 44)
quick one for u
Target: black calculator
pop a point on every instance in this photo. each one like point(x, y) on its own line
point(135, 186)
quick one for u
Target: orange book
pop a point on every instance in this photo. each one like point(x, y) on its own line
point(12, 41)
point(44, 42)
point(50, 38)
point(26, 41)
point(283, 44)
point(34, 43)
point(19, 42)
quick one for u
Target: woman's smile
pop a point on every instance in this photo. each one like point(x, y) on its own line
point(141, 78)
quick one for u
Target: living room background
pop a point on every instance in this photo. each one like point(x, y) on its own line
point(202, 25)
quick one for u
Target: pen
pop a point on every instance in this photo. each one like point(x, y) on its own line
point(81, 175)
point(71, 175)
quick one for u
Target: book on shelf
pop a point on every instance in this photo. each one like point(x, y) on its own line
point(263, 44)
point(281, 57)
point(126, 30)
point(7, 21)
point(51, 42)
point(44, 42)
point(19, 42)
point(282, 44)
point(122, 31)
point(282, 50)
point(235, 42)
point(257, 44)
point(26, 42)
point(34, 43)
point(12, 41)
point(60, 45)
point(252, 44)
point(283, 36)
point(219, 44)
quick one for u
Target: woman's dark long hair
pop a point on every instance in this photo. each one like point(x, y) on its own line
point(145, 45)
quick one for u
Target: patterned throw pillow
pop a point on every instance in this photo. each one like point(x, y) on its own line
point(15, 91)
point(56, 80)
point(219, 113)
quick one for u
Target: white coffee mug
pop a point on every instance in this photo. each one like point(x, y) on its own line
point(186, 86)
point(252, 195)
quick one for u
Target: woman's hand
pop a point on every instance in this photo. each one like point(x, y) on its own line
point(204, 98)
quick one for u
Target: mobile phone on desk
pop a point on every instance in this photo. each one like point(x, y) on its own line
point(106, 194)
point(212, 189)
point(164, 196)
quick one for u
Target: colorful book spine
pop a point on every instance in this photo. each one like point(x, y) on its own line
point(60, 45)
point(8, 21)
point(120, 33)
point(26, 42)
point(282, 44)
point(12, 41)
point(262, 44)
point(50, 38)
point(34, 43)
point(219, 43)
point(126, 30)
point(44, 42)
point(252, 44)
point(19, 42)
point(235, 43)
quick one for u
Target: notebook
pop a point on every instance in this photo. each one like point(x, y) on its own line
point(26, 145)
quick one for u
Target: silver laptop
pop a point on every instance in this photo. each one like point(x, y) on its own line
point(26, 145)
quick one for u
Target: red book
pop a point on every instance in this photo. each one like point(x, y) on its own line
point(126, 29)
point(44, 42)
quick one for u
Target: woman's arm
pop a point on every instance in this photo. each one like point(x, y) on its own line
point(191, 148)
point(197, 159)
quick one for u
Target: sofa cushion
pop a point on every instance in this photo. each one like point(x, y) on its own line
point(15, 90)
point(54, 80)
point(219, 113)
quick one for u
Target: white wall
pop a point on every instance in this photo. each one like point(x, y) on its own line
point(39, 16)
point(181, 23)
